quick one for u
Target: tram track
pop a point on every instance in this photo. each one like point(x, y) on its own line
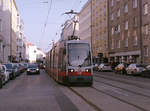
point(133, 92)
point(125, 77)
point(125, 82)
point(105, 93)
point(86, 100)
point(121, 100)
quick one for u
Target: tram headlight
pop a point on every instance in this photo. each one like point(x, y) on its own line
point(87, 70)
point(71, 70)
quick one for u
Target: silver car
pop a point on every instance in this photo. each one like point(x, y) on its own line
point(135, 69)
point(104, 67)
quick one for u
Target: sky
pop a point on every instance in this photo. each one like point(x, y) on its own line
point(34, 14)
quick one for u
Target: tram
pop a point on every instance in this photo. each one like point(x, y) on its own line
point(70, 62)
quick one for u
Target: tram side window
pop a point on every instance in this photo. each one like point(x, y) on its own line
point(60, 59)
point(64, 59)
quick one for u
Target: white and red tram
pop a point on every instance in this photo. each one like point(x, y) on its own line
point(70, 62)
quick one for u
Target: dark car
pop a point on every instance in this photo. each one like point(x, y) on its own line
point(21, 68)
point(16, 69)
point(33, 69)
point(146, 72)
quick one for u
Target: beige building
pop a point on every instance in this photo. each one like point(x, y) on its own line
point(85, 22)
point(124, 30)
point(146, 30)
point(99, 28)
point(14, 29)
point(5, 30)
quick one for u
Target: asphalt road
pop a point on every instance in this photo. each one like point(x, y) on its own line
point(34, 93)
point(110, 92)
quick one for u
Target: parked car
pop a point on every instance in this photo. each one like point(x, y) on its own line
point(41, 66)
point(95, 67)
point(104, 67)
point(21, 67)
point(1, 77)
point(135, 69)
point(16, 69)
point(26, 66)
point(10, 69)
point(121, 68)
point(5, 73)
point(146, 72)
point(33, 69)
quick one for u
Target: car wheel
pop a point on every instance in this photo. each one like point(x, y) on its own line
point(121, 72)
point(128, 73)
point(90, 84)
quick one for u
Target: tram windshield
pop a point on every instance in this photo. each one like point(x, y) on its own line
point(79, 54)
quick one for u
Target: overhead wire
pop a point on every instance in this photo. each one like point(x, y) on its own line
point(46, 21)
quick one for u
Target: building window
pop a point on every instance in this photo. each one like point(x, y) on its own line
point(126, 42)
point(135, 21)
point(112, 16)
point(145, 9)
point(118, 13)
point(126, 8)
point(135, 41)
point(1, 25)
point(112, 31)
point(118, 45)
point(126, 25)
point(134, 3)
point(118, 28)
point(112, 3)
point(112, 47)
point(146, 30)
point(145, 51)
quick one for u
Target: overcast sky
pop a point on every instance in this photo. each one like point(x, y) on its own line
point(34, 14)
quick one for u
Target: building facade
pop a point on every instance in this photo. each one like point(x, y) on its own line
point(146, 30)
point(5, 30)
point(124, 27)
point(14, 31)
point(99, 29)
point(20, 41)
point(34, 53)
point(85, 22)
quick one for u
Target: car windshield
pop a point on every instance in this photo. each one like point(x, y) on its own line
point(15, 66)
point(8, 66)
point(79, 54)
point(33, 66)
point(106, 64)
point(139, 65)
